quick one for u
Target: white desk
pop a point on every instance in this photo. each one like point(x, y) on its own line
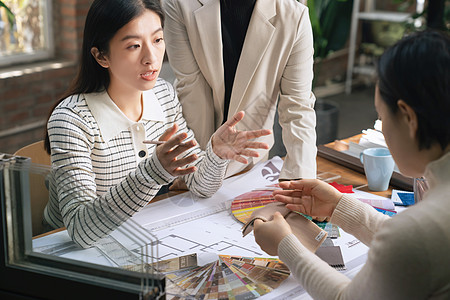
point(211, 230)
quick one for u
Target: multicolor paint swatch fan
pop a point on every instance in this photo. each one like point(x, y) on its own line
point(230, 277)
point(243, 205)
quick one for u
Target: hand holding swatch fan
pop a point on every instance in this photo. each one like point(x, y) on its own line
point(307, 232)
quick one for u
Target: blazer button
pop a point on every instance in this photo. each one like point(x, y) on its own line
point(141, 153)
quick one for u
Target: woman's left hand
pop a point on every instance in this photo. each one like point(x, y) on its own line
point(229, 143)
point(268, 235)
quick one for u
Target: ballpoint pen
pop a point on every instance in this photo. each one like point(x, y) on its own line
point(153, 142)
point(159, 142)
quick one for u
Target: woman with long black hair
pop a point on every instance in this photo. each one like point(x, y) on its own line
point(103, 169)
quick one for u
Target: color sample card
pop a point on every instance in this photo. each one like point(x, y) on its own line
point(387, 212)
point(272, 263)
point(402, 198)
point(230, 277)
point(331, 229)
point(333, 256)
point(342, 188)
point(175, 264)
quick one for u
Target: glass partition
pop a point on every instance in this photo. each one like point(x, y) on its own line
point(51, 265)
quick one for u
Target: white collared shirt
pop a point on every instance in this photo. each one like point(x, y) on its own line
point(112, 121)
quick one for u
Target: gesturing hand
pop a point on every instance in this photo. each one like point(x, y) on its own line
point(312, 197)
point(167, 153)
point(229, 143)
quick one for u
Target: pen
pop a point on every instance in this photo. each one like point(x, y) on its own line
point(154, 142)
point(159, 142)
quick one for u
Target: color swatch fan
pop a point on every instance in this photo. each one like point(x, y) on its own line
point(230, 277)
point(243, 205)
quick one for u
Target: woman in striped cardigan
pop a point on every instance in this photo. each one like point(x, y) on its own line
point(103, 172)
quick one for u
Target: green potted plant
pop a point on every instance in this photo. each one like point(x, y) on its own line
point(9, 13)
point(330, 21)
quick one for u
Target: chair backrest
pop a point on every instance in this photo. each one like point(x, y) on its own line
point(38, 190)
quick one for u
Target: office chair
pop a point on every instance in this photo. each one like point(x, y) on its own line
point(38, 190)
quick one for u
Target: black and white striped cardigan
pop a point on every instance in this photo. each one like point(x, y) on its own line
point(102, 173)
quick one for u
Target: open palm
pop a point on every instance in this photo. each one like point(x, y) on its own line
point(229, 143)
point(312, 197)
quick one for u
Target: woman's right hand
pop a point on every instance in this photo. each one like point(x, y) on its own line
point(311, 197)
point(167, 153)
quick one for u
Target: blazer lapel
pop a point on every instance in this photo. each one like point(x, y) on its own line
point(259, 35)
point(207, 18)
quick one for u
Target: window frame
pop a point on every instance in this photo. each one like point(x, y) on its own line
point(49, 44)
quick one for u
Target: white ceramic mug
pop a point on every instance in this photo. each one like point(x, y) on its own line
point(378, 166)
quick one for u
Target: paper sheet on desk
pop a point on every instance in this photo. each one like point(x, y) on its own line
point(215, 234)
point(60, 244)
point(262, 174)
point(202, 234)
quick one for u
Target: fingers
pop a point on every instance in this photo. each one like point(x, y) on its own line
point(169, 132)
point(296, 201)
point(176, 171)
point(240, 159)
point(235, 119)
point(291, 193)
point(249, 153)
point(175, 146)
point(277, 216)
point(179, 148)
point(174, 141)
point(298, 207)
point(253, 134)
point(292, 185)
point(256, 145)
point(178, 163)
point(304, 185)
point(175, 166)
point(257, 223)
point(288, 196)
point(287, 199)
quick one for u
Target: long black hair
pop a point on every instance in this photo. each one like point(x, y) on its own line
point(417, 70)
point(104, 19)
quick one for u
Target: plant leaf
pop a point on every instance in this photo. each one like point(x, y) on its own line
point(9, 13)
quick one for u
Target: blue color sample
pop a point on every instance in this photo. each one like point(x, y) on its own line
point(406, 198)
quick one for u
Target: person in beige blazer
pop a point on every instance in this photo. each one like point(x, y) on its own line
point(275, 64)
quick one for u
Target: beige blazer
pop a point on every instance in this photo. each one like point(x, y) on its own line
point(276, 64)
